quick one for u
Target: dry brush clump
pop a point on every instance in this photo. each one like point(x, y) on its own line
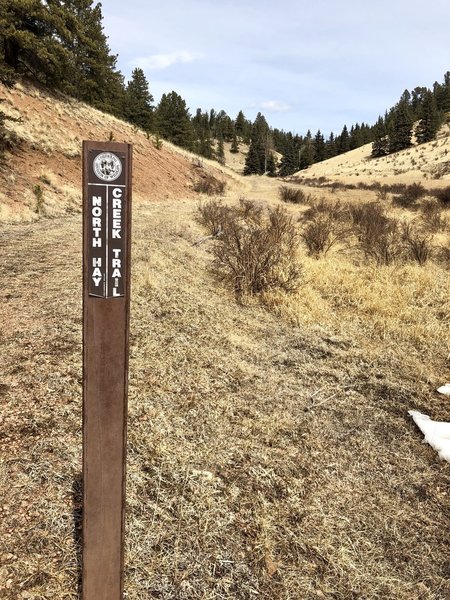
point(325, 227)
point(206, 183)
point(409, 196)
point(432, 218)
point(255, 251)
point(443, 195)
point(294, 195)
point(418, 245)
point(379, 236)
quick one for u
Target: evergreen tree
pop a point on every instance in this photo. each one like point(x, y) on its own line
point(173, 122)
point(95, 79)
point(429, 119)
point(271, 165)
point(260, 143)
point(343, 141)
point(234, 144)
point(306, 153)
point(33, 37)
point(400, 127)
point(220, 154)
point(288, 164)
point(355, 137)
point(441, 93)
point(319, 147)
point(380, 145)
point(254, 161)
point(330, 147)
point(240, 124)
point(138, 101)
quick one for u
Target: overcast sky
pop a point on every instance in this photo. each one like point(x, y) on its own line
point(303, 64)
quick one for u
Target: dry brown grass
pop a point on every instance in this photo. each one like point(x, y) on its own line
point(266, 459)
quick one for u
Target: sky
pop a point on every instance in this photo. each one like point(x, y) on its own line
point(315, 64)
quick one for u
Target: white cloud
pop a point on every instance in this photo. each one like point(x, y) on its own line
point(158, 62)
point(275, 106)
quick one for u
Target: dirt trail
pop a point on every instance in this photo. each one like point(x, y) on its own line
point(263, 458)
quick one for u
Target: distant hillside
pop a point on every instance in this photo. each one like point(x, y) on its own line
point(424, 162)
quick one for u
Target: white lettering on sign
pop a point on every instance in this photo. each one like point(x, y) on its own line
point(106, 231)
point(96, 221)
point(117, 266)
point(117, 214)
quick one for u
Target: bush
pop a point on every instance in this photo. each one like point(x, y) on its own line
point(213, 215)
point(443, 195)
point(367, 219)
point(432, 216)
point(209, 185)
point(8, 139)
point(293, 195)
point(39, 195)
point(250, 211)
point(256, 256)
point(409, 197)
point(321, 233)
point(418, 245)
point(335, 210)
point(379, 236)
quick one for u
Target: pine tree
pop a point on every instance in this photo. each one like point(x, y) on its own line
point(255, 159)
point(173, 122)
point(319, 147)
point(380, 145)
point(288, 164)
point(138, 101)
point(330, 147)
point(307, 156)
point(400, 127)
point(33, 37)
point(95, 79)
point(343, 141)
point(271, 165)
point(234, 144)
point(429, 120)
point(220, 154)
point(239, 124)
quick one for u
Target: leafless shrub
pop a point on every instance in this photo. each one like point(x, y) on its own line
point(250, 211)
point(443, 256)
point(432, 217)
point(410, 195)
point(418, 245)
point(213, 215)
point(335, 210)
point(256, 257)
point(209, 185)
point(382, 193)
point(443, 195)
point(293, 195)
point(322, 232)
point(379, 236)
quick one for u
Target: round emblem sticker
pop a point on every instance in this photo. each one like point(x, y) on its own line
point(107, 166)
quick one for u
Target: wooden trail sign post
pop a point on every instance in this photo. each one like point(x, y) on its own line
point(106, 302)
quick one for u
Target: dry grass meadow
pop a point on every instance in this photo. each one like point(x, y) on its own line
point(270, 452)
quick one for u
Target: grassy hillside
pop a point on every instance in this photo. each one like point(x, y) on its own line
point(422, 162)
point(270, 452)
point(48, 152)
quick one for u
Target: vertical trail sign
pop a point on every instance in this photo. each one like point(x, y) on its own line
point(106, 302)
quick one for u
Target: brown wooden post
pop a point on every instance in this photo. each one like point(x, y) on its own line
point(106, 302)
